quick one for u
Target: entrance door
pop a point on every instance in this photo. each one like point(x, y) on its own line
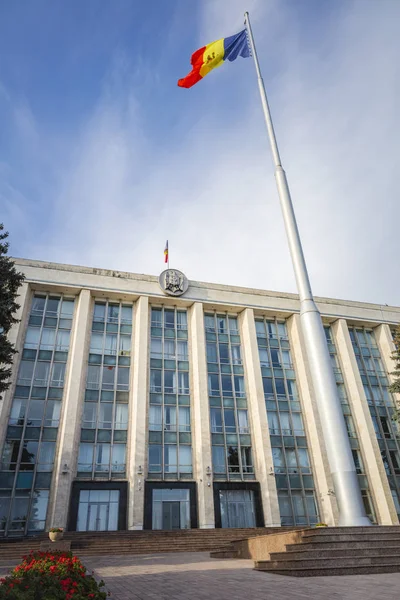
point(171, 515)
point(97, 516)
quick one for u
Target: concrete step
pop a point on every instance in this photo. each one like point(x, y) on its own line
point(344, 545)
point(334, 562)
point(301, 553)
point(332, 571)
point(349, 537)
point(337, 530)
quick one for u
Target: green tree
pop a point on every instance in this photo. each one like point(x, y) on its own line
point(395, 387)
point(10, 281)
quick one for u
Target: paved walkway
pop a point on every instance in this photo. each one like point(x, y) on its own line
point(196, 576)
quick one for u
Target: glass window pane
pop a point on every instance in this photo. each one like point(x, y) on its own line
point(156, 348)
point(209, 322)
point(216, 420)
point(57, 377)
point(102, 457)
point(155, 461)
point(42, 372)
point(25, 372)
point(110, 344)
point(212, 352)
point(32, 337)
point(184, 418)
point(105, 415)
point(93, 377)
point(123, 378)
point(118, 457)
point(47, 338)
point(156, 317)
point(113, 313)
point(155, 380)
point(85, 458)
point(185, 459)
point(121, 416)
point(38, 304)
point(155, 418)
point(181, 318)
point(218, 457)
point(126, 314)
point(169, 319)
point(99, 311)
point(108, 378)
point(62, 342)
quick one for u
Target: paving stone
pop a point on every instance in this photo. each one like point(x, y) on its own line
point(196, 576)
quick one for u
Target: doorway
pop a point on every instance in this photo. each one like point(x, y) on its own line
point(171, 508)
point(171, 515)
point(98, 510)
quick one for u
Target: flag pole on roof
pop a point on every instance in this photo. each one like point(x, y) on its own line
point(166, 253)
point(344, 475)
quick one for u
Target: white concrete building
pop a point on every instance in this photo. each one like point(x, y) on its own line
point(132, 408)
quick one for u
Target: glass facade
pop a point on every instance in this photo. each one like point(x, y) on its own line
point(350, 425)
point(170, 438)
point(27, 459)
point(102, 448)
point(229, 421)
point(380, 403)
point(292, 466)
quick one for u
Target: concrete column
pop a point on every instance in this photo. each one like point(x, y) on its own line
point(379, 487)
point(316, 446)
point(386, 345)
point(16, 336)
point(201, 437)
point(138, 402)
point(261, 443)
point(72, 405)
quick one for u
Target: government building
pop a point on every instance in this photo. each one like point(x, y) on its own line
point(139, 402)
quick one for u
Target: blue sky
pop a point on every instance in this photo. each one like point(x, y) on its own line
point(103, 157)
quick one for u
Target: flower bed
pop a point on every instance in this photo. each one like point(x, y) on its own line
point(50, 576)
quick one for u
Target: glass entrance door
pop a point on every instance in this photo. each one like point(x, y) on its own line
point(171, 515)
point(98, 510)
point(237, 508)
point(97, 517)
point(171, 509)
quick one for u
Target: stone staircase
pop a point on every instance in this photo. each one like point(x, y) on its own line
point(134, 542)
point(336, 551)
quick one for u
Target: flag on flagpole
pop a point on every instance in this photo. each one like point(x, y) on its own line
point(213, 55)
point(166, 252)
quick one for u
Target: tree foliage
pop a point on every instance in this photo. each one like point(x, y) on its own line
point(10, 281)
point(395, 387)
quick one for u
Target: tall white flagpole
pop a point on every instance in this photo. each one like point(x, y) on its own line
point(344, 476)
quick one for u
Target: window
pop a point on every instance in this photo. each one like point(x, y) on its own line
point(169, 412)
point(358, 462)
point(218, 458)
point(216, 420)
point(155, 460)
point(25, 372)
point(291, 462)
point(155, 418)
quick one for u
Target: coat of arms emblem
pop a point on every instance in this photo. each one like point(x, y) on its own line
point(173, 282)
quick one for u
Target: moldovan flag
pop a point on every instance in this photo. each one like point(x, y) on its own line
point(166, 252)
point(213, 55)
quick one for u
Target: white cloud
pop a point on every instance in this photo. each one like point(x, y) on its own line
point(117, 194)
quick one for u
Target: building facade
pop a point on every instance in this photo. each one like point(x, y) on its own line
point(145, 403)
